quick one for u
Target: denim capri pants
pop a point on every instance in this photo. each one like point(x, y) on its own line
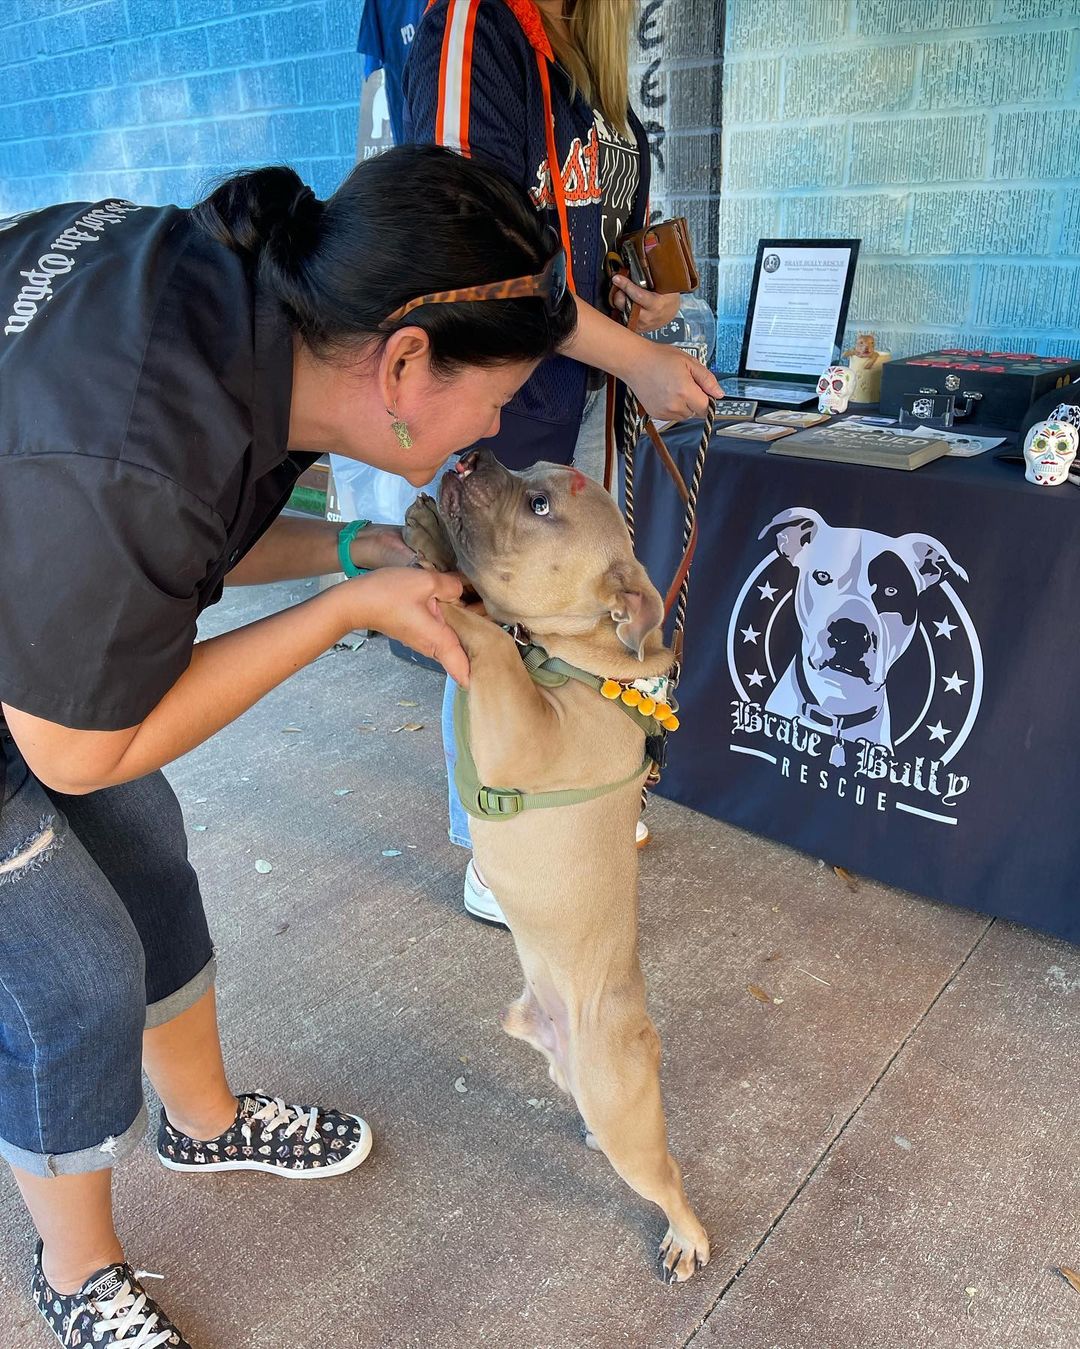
point(102, 936)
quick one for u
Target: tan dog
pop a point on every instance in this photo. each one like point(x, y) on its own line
point(548, 549)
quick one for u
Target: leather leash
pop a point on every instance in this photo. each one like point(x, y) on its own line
point(634, 424)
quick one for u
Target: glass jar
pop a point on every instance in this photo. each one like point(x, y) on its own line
point(693, 330)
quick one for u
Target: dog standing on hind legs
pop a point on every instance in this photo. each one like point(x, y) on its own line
point(548, 549)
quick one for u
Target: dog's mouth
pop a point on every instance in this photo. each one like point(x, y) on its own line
point(452, 485)
point(466, 498)
point(452, 494)
point(466, 465)
point(473, 488)
point(854, 669)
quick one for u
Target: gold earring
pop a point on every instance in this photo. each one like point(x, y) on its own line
point(400, 429)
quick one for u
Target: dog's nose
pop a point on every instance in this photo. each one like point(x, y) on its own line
point(844, 632)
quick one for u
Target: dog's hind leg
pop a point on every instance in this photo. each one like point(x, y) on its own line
point(616, 1078)
point(526, 1020)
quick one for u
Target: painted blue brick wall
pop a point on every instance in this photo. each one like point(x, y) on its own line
point(153, 99)
point(944, 133)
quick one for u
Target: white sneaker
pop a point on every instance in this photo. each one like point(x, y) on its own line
point(642, 835)
point(479, 900)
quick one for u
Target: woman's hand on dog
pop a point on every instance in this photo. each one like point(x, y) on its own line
point(403, 602)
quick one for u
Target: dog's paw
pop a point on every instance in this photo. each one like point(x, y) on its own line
point(682, 1253)
point(426, 535)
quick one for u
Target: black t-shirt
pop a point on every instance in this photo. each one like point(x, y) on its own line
point(145, 381)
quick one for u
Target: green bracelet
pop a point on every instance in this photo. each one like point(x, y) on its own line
point(344, 539)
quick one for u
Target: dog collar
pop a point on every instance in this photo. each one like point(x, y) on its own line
point(636, 698)
point(836, 724)
point(842, 722)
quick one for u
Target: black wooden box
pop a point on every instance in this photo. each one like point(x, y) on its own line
point(1008, 381)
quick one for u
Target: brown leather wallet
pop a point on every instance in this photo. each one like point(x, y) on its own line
point(661, 257)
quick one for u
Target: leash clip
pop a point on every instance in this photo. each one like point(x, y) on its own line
point(520, 633)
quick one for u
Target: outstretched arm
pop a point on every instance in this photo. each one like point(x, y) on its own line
point(229, 673)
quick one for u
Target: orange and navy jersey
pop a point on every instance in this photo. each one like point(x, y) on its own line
point(481, 79)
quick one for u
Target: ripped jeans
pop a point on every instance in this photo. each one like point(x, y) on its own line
point(102, 935)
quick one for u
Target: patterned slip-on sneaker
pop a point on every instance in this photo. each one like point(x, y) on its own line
point(303, 1142)
point(111, 1307)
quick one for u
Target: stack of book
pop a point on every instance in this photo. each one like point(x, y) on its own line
point(873, 446)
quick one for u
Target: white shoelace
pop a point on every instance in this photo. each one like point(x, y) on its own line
point(276, 1114)
point(126, 1315)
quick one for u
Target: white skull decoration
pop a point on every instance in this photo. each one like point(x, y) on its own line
point(834, 389)
point(1049, 449)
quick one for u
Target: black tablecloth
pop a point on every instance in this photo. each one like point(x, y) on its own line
point(882, 668)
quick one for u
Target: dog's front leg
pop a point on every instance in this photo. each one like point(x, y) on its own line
point(427, 536)
point(510, 715)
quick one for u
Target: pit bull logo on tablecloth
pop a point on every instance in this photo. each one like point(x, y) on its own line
point(825, 628)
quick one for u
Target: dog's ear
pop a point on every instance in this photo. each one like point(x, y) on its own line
point(633, 602)
point(792, 530)
point(933, 564)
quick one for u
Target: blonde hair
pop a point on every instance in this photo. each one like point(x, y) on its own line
point(594, 50)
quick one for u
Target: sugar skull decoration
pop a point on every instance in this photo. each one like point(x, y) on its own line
point(1049, 449)
point(834, 389)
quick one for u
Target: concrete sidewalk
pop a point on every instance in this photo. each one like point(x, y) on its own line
point(886, 1155)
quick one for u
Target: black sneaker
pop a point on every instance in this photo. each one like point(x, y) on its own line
point(302, 1142)
point(111, 1307)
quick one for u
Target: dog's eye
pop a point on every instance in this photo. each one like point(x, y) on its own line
point(890, 591)
point(540, 504)
point(822, 578)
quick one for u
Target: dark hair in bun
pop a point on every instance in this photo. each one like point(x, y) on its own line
point(415, 219)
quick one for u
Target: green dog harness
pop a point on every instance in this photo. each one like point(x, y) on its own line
point(503, 803)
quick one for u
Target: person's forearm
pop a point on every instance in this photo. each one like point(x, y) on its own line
point(227, 675)
point(290, 549)
point(293, 549)
point(668, 383)
point(604, 343)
